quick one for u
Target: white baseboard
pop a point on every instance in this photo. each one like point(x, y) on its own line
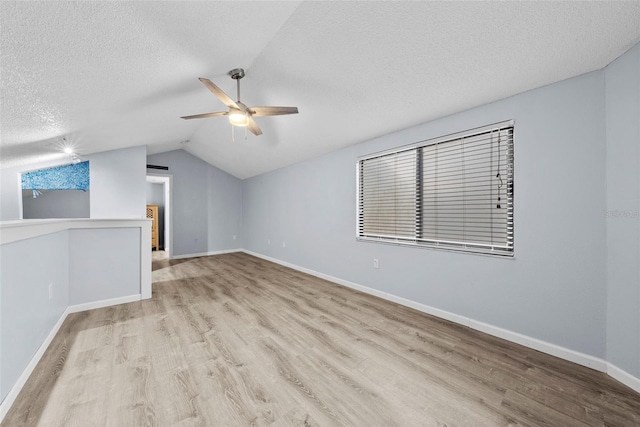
point(624, 377)
point(103, 303)
point(226, 251)
point(22, 379)
point(534, 343)
point(542, 346)
point(17, 387)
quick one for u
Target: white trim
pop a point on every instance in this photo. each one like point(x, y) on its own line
point(226, 251)
point(624, 377)
point(542, 346)
point(26, 373)
point(167, 188)
point(534, 343)
point(103, 303)
point(145, 261)
point(168, 214)
point(19, 193)
point(443, 138)
point(13, 231)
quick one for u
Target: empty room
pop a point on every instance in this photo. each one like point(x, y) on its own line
point(320, 213)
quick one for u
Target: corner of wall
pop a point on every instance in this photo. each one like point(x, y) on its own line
point(622, 214)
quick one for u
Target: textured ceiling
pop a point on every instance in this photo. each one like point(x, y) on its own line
point(109, 75)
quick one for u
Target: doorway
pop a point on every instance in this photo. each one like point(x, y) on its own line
point(159, 193)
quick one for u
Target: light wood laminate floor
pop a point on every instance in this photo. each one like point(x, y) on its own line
point(233, 340)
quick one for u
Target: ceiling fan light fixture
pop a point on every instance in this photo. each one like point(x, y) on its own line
point(238, 118)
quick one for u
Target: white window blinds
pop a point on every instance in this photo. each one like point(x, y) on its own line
point(454, 192)
point(388, 201)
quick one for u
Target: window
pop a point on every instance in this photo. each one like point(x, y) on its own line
point(58, 192)
point(454, 192)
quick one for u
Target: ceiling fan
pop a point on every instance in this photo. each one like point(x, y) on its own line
point(239, 114)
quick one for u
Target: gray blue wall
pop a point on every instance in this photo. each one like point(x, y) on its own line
point(206, 207)
point(553, 290)
point(118, 183)
point(103, 264)
point(622, 79)
point(27, 315)
point(56, 204)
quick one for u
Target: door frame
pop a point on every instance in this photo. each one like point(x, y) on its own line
point(167, 185)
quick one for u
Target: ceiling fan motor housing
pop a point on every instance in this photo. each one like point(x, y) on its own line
point(236, 73)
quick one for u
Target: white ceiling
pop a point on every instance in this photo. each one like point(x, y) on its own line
point(108, 75)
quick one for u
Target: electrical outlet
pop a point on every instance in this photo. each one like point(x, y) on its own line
point(268, 241)
point(50, 290)
point(376, 264)
point(284, 245)
point(234, 237)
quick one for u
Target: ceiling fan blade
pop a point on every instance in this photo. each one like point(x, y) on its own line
point(219, 93)
point(202, 116)
point(273, 111)
point(253, 127)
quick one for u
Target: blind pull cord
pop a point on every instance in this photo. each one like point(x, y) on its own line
point(498, 174)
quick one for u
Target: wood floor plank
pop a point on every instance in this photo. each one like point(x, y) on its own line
point(233, 340)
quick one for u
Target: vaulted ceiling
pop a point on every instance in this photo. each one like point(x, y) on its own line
point(108, 75)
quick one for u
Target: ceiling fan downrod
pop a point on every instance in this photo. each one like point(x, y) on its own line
point(237, 74)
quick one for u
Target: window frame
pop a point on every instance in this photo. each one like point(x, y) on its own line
point(466, 247)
